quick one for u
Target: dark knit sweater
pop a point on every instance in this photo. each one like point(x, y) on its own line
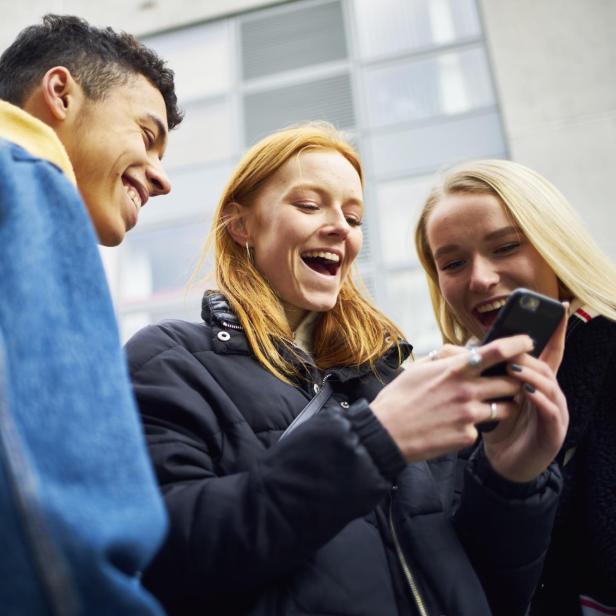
point(582, 556)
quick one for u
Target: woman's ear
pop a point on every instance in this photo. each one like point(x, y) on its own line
point(235, 218)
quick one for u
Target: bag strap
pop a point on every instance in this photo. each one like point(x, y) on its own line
point(312, 408)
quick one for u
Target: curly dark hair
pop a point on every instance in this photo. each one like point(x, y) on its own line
point(97, 58)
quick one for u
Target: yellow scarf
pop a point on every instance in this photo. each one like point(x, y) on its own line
point(34, 136)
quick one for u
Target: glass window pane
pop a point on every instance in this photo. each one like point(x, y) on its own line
point(392, 26)
point(292, 38)
point(444, 85)
point(409, 306)
point(324, 99)
point(158, 263)
point(205, 135)
point(399, 204)
point(424, 149)
point(200, 58)
point(194, 192)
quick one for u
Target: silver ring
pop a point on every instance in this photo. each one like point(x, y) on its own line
point(492, 411)
point(473, 359)
point(433, 354)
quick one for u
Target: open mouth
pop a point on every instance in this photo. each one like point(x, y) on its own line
point(486, 313)
point(132, 192)
point(322, 262)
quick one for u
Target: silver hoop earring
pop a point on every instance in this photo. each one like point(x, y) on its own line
point(248, 253)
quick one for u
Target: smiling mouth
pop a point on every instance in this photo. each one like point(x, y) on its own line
point(322, 262)
point(486, 313)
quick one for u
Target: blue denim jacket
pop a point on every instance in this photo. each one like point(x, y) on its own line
point(80, 513)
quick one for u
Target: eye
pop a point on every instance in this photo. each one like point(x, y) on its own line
point(354, 221)
point(508, 248)
point(306, 206)
point(148, 138)
point(452, 266)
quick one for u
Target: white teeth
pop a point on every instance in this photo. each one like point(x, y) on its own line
point(495, 305)
point(133, 195)
point(330, 256)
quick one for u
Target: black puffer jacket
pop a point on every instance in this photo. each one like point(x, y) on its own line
point(582, 556)
point(303, 526)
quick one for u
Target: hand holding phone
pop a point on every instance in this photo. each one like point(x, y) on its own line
point(526, 312)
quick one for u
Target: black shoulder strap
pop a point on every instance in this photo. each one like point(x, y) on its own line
point(312, 408)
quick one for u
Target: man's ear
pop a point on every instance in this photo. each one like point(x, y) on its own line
point(235, 218)
point(61, 94)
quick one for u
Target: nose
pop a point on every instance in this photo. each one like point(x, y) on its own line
point(157, 178)
point(483, 275)
point(337, 225)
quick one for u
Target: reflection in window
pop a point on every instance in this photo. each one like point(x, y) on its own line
point(399, 205)
point(444, 85)
point(393, 26)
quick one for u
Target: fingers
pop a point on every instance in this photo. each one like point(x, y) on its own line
point(478, 359)
point(491, 388)
point(497, 411)
point(540, 385)
point(443, 352)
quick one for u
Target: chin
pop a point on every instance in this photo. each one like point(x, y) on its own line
point(109, 236)
point(319, 304)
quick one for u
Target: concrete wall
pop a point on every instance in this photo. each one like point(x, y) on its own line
point(136, 16)
point(555, 68)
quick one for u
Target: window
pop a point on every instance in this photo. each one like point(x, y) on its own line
point(408, 79)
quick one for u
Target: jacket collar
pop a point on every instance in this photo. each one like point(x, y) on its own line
point(34, 136)
point(215, 311)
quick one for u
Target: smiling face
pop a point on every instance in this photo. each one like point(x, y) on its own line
point(115, 145)
point(481, 257)
point(304, 230)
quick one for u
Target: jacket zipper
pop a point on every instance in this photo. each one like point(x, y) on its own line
point(326, 377)
point(232, 325)
point(419, 602)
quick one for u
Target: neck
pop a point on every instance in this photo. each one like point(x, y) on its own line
point(294, 315)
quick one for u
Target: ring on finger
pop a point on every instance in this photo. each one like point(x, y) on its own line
point(492, 411)
point(433, 354)
point(473, 358)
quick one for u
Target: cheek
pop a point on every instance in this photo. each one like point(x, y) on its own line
point(452, 292)
point(356, 244)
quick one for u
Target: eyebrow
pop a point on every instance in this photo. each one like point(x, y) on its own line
point(494, 235)
point(318, 189)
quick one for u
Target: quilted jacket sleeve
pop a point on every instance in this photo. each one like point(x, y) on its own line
point(505, 529)
point(239, 531)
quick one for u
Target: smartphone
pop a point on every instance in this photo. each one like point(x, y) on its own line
point(526, 312)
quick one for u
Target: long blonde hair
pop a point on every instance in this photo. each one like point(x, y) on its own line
point(353, 332)
point(544, 216)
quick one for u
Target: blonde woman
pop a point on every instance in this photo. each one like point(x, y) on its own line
point(487, 228)
point(341, 513)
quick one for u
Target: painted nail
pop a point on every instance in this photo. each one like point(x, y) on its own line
point(529, 388)
point(515, 367)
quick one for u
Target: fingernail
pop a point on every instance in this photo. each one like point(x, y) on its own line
point(529, 388)
point(515, 367)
